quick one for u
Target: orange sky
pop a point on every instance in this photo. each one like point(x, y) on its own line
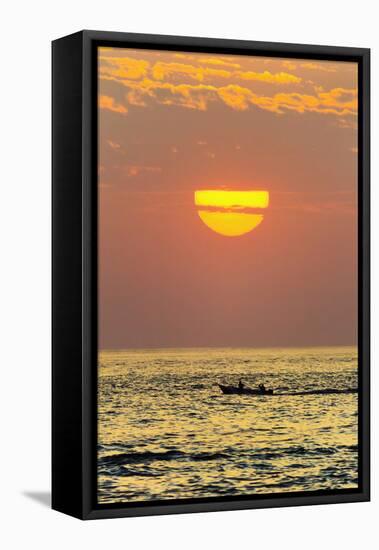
point(171, 123)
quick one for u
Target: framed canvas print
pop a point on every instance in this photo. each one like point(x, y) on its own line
point(210, 274)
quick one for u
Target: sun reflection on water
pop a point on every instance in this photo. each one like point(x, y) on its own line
point(167, 432)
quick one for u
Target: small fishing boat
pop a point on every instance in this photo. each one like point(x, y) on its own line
point(236, 390)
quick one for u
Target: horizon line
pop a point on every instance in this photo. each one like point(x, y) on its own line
point(229, 347)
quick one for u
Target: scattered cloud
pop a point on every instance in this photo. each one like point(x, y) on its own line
point(324, 67)
point(122, 67)
point(266, 76)
point(113, 144)
point(289, 65)
point(137, 169)
point(340, 97)
point(136, 69)
point(349, 123)
point(109, 103)
point(208, 60)
point(338, 101)
point(162, 70)
point(211, 79)
point(219, 61)
point(236, 97)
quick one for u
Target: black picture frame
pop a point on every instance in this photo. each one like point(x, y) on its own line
point(74, 272)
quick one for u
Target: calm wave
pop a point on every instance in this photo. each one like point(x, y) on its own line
point(166, 431)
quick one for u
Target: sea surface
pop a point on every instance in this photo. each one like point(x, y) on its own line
point(165, 430)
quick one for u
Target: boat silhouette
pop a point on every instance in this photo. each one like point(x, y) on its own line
point(245, 390)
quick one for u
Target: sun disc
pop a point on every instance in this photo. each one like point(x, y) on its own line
point(231, 199)
point(230, 224)
point(231, 213)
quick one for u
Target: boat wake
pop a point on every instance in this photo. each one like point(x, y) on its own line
point(281, 392)
point(326, 391)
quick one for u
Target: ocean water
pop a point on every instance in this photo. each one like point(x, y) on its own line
point(165, 430)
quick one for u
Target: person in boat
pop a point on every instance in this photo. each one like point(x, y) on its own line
point(241, 385)
point(262, 388)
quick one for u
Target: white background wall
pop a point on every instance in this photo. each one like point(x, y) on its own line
point(27, 29)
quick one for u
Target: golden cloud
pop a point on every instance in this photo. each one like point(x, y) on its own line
point(332, 102)
point(162, 70)
point(290, 65)
point(340, 97)
point(208, 60)
point(236, 96)
point(136, 98)
point(266, 76)
point(123, 67)
point(338, 101)
point(162, 82)
point(221, 62)
point(136, 69)
point(109, 103)
point(185, 95)
point(325, 67)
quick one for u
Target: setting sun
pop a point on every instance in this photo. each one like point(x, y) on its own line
point(227, 275)
point(231, 213)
